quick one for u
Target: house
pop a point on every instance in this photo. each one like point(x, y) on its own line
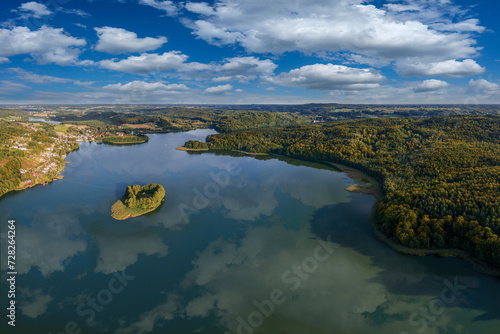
point(120, 134)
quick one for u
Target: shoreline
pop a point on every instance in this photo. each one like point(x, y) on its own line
point(182, 148)
point(44, 181)
point(125, 143)
point(373, 188)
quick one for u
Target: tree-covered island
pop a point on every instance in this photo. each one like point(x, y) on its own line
point(138, 201)
point(122, 139)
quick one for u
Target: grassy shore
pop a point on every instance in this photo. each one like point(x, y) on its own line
point(365, 184)
point(182, 148)
point(120, 211)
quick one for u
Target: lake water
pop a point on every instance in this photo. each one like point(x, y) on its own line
point(43, 120)
point(241, 245)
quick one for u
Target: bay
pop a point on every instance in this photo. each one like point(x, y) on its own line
point(241, 245)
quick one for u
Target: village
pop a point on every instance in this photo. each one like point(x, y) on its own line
point(42, 161)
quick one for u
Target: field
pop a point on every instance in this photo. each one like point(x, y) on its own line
point(61, 128)
point(148, 126)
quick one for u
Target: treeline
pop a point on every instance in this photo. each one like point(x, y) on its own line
point(11, 159)
point(183, 119)
point(440, 176)
point(125, 139)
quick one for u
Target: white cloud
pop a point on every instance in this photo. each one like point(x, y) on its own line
point(145, 86)
point(323, 25)
point(84, 83)
point(46, 44)
point(117, 251)
point(80, 25)
point(465, 26)
point(483, 87)
point(170, 7)
point(4, 60)
point(330, 77)
point(117, 40)
point(401, 7)
point(447, 69)
point(9, 87)
point(200, 8)
point(218, 90)
point(78, 12)
point(38, 304)
point(244, 69)
point(34, 9)
point(247, 64)
point(430, 86)
point(51, 242)
point(234, 275)
point(37, 78)
point(149, 320)
point(148, 63)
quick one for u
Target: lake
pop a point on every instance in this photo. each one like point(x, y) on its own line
point(43, 121)
point(241, 245)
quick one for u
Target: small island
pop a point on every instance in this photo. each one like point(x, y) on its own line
point(138, 201)
point(122, 139)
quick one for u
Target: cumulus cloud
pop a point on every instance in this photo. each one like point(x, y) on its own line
point(244, 69)
point(117, 40)
point(50, 243)
point(148, 63)
point(170, 7)
point(37, 304)
point(330, 77)
point(34, 9)
point(200, 8)
point(218, 90)
point(118, 251)
point(482, 86)
point(46, 45)
point(324, 25)
point(430, 86)
point(144, 86)
point(448, 68)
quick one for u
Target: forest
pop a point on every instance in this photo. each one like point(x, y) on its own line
point(440, 175)
point(114, 140)
point(138, 200)
point(184, 119)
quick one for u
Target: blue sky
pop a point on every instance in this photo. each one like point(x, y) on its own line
point(240, 51)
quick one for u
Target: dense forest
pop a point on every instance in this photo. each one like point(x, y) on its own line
point(113, 140)
point(440, 175)
point(184, 119)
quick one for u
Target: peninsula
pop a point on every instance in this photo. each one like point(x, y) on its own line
point(138, 201)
